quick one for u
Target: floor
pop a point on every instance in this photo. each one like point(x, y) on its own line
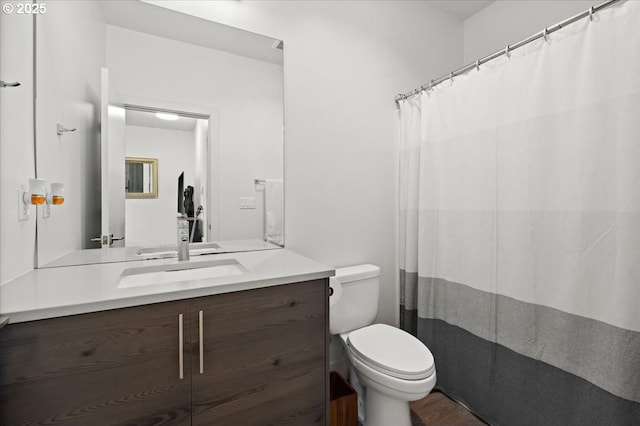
point(438, 410)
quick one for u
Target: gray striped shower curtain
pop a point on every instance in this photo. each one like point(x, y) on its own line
point(520, 228)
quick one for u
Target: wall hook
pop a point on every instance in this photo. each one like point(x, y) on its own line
point(60, 129)
point(7, 84)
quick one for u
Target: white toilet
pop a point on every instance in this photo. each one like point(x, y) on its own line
point(392, 365)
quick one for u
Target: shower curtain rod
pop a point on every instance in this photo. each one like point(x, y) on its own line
point(510, 47)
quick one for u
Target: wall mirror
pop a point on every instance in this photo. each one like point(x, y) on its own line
point(137, 80)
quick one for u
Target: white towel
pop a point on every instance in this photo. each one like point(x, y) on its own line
point(274, 211)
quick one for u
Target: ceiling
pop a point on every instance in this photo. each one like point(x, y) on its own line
point(149, 119)
point(461, 9)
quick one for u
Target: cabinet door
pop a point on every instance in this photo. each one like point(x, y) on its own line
point(264, 356)
point(106, 368)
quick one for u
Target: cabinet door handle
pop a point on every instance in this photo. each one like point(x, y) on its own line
point(201, 338)
point(180, 346)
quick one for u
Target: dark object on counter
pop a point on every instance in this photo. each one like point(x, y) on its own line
point(189, 210)
point(181, 193)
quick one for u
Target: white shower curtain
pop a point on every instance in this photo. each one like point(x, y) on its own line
point(520, 227)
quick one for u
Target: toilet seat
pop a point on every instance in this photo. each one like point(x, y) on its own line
point(391, 351)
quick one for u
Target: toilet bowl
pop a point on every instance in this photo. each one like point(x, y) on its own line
point(392, 366)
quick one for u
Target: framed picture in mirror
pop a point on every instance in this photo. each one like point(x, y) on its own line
point(141, 177)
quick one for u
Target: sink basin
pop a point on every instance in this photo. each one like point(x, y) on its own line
point(177, 272)
point(171, 251)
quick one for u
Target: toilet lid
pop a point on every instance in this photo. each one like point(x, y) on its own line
point(391, 351)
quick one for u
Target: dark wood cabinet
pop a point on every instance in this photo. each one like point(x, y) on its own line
point(105, 368)
point(264, 361)
point(263, 357)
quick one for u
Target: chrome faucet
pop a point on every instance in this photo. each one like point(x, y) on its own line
point(183, 238)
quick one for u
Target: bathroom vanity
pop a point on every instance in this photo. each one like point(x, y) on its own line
point(245, 349)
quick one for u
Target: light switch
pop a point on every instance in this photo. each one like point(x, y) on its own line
point(247, 202)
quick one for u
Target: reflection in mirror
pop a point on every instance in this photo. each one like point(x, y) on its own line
point(101, 66)
point(178, 141)
point(141, 177)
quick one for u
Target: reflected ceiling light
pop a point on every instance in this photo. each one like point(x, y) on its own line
point(166, 116)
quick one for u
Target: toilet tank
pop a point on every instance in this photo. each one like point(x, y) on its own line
point(354, 302)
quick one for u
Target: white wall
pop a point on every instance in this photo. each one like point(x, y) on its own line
point(152, 221)
point(507, 22)
point(344, 63)
point(70, 52)
point(245, 94)
point(17, 239)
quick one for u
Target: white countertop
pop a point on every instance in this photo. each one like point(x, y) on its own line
point(54, 292)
